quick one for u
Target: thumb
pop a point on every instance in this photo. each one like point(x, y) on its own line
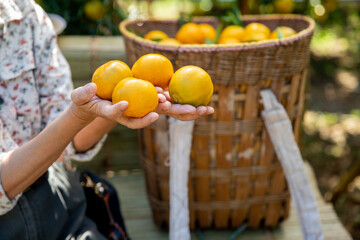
point(82, 95)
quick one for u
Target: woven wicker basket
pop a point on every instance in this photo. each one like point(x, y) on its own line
point(235, 175)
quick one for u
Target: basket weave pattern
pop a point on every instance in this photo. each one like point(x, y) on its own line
point(235, 175)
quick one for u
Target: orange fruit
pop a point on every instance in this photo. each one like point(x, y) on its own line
point(286, 32)
point(155, 35)
point(154, 68)
point(191, 85)
point(95, 10)
point(228, 40)
point(190, 33)
point(284, 6)
point(140, 94)
point(169, 41)
point(232, 31)
point(208, 30)
point(108, 75)
point(256, 32)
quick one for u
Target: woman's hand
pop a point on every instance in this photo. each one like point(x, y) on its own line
point(87, 106)
point(179, 111)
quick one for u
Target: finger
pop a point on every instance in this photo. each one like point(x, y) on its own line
point(113, 111)
point(210, 110)
point(82, 95)
point(162, 98)
point(163, 108)
point(167, 95)
point(201, 110)
point(159, 89)
point(136, 123)
point(182, 109)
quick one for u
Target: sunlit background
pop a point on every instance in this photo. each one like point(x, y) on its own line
point(330, 139)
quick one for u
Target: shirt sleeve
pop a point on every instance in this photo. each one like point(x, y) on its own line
point(7, 145)
point(53, 77)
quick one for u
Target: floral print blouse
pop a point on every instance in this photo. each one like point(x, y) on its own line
point(35, 81)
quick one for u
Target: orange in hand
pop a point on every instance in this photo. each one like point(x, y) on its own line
point(154, 68)
point(108, 75)
point(191, 85)
point(140, 94)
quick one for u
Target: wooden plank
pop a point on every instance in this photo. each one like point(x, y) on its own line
point(301, 104)
point(202, 186)
point(224, 154)
point(246, 154)
point(262, 180)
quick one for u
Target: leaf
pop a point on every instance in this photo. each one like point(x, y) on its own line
point(225, 20)
point(238, 15)
point(182, 20)
point(188, 19)
point(279, 33)
point(156, 39)
point(233, 18)
point(218, 32)
point(208, 41)
point(132, 31)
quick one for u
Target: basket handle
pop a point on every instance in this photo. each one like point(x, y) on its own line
point(280, 131)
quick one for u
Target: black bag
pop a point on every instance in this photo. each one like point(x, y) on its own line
point(103, 206)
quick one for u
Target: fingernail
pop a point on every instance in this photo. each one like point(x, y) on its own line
point(89, 87)
point(154, 116)
point(124, 105)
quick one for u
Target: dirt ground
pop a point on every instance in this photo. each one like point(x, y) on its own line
point(330, 140)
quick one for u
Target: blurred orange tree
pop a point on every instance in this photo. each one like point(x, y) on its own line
point(87, 17)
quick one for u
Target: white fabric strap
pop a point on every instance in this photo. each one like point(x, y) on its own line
point(280, 131)
point(180, 147)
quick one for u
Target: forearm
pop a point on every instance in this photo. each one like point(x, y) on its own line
point(25, 164)
point(92, 133)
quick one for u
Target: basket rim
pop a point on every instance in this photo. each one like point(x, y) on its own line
point(216, 47)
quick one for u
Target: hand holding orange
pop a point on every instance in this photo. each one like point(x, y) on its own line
point(189, 85)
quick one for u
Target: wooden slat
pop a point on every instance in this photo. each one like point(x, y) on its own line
point(301, 105)
point(224, 154)
point(246, 154)
point(151, 179)
point(162, 155)
point(202, 186)
point(262, 180)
